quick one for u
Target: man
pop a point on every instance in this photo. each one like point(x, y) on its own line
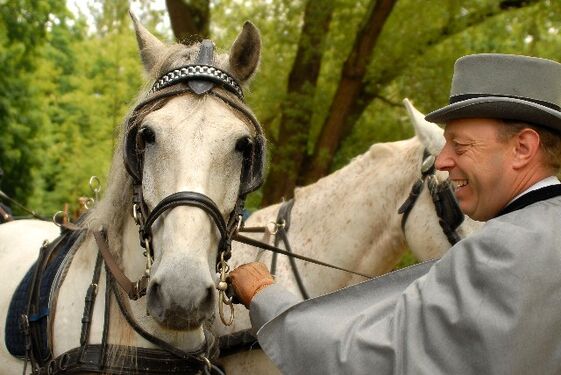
point(492, 303)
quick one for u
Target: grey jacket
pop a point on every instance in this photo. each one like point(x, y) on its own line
point(491, 305)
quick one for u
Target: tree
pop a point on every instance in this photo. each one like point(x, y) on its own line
point(189, 18)
point(24, 28)
point(332, 78)
point(296, 110)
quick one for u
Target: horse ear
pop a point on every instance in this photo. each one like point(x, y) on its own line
point(150, 47)
point(245, 52)
point(430, 134)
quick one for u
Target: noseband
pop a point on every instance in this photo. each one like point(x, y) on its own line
point(449, 214)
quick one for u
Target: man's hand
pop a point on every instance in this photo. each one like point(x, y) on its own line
point(248, 279)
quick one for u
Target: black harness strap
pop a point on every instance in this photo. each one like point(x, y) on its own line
point(37, 352)
point(283, 225)
point(89, 302)
point(250, 241)
point(427, 168)
point(446, 206)
point(91, 358)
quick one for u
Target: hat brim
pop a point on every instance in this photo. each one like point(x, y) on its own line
point(500, 108)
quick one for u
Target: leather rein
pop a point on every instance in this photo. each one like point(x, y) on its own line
point(450, 216)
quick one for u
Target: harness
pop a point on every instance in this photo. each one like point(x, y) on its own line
point(92, 358)
point(450, 216)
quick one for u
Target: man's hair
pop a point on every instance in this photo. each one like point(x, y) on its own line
point(550, 140)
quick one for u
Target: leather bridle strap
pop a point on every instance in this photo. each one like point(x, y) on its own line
point(283, 222)
point(265, 246)
point(427, 168)
point(136, 361)
point(197, 355)
point(447, 210)
point(134, 290)
point(186, 198)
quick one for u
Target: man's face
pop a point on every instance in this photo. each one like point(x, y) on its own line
point(478, 165)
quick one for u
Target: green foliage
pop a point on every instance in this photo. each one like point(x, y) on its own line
point(24, 28)
point(63, 106)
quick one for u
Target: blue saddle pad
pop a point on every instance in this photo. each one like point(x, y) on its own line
point(14, 338)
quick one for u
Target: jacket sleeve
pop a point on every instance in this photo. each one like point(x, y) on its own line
point(269, 303)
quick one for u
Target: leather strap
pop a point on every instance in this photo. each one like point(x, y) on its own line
point(134, 290)
point(186, 198)
point(250, 241)
point(448, 221)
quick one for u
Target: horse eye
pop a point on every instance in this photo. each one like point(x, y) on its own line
point(243, 144)
point(147, 135)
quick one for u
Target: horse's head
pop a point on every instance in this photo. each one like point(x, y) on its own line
point(194, 151)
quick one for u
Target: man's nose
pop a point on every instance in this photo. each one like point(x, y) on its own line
point(444, 161)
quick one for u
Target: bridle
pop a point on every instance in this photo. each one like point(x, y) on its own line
point(449, 214)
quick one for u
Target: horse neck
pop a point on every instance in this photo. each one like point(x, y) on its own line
point(350, 218)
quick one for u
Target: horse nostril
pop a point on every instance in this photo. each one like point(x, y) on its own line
point(155, 300)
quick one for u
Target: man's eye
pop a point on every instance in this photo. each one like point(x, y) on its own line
point(460, 148)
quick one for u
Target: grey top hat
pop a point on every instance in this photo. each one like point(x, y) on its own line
point(509, 87)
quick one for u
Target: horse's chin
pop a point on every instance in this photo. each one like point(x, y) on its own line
point(178, 320)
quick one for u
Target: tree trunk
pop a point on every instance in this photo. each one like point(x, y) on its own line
point(189, 18)
point(297, 108)
point(347, 92)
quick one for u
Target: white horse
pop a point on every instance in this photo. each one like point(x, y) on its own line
point(194, 137)
point(350, 219)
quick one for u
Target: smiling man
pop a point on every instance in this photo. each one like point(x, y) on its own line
point(492, 303)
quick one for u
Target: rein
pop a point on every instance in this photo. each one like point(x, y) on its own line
point(9, 217)
point(450, 216)
point(280, 231)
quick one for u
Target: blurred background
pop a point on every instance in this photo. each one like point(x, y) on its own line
point(332, 77)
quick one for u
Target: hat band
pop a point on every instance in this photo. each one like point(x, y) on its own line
point(460, 98)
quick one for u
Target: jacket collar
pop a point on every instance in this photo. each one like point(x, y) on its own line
point(533, 196)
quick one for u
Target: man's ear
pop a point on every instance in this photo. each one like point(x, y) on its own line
point(526, 147)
